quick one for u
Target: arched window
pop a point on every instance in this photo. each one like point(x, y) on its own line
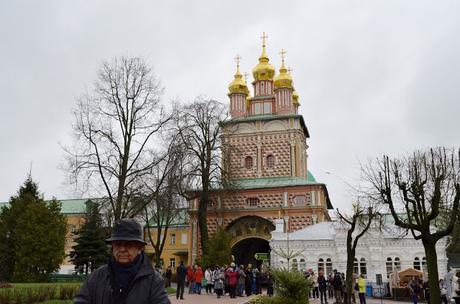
point(252, 201)
point(328, 267)
point(389, 265)
point(424, 267)
point(295, 266)
point(355, 266)
point(321, 265)
point(248, 162)
point(270, 161)
point(302, 265)
point(397, 266)
point(212, 203)
point(362, 267)
point(417, 264)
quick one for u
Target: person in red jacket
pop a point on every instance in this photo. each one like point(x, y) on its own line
point(190, 279)
point(198, 278)
point(232, 280)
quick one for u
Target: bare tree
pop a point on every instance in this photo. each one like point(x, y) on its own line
point(164, 197)
point(199, 128)
point(115, 128)
point(358, 222)
point(418, 190)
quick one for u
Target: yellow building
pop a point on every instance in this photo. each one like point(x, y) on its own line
point(75, 211)
point(176, 247)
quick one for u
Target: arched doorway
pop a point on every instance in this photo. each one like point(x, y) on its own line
point(245, 251)
point(250, 236)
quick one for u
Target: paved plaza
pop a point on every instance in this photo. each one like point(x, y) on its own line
point(212, 299)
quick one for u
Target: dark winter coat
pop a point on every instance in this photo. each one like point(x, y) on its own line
point(181, 273)
point(337, 283)
point(322, 283)
point(147, 287)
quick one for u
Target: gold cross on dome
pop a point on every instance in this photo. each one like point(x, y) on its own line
point(238, 59)
point(282, 54)
point(263, 37)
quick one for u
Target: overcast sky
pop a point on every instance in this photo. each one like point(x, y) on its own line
point(373, 77)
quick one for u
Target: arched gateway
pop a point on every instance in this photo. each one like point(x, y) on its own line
point(250, 239)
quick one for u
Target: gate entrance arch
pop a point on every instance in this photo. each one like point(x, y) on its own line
point(250, 236)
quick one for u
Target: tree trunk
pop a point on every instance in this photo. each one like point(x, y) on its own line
point(202, 222)
point(158, 258)
point(349, 274)
point(432, 266)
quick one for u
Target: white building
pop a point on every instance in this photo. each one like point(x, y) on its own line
point(323, 246)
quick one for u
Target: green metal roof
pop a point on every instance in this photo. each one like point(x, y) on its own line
point(181, 219)
point(257, 183)
point(68, 206)
point(73, 206)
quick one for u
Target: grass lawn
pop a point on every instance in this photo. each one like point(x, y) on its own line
point(58, 290)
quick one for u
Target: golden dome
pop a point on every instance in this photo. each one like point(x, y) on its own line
point(238, 84)
point(284, 79)
point(264, 70)
point(295, 98)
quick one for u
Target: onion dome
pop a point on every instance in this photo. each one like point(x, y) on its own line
point(264, 70)
point(238, 84)
point(295, 98)
point(284, 79)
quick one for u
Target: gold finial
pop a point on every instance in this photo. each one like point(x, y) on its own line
point(238, 60)
point(282, 54)
point(263, 37)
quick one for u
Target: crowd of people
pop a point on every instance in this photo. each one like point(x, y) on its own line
point(240, 281)
point(332, 287)
point(236, 281)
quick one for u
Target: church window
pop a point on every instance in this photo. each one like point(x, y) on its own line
point(270, 161)
point(267, 108)
point(248, 162)
point(302, 264)
point(355, 266)
point(389, 265)
point(328, 266)
point(397, 264)
point(299, 200)
point(252, 201)
point(417, 263)
point(295, 266)
point(321, 265)
point(362, 267)
point(173, 239)
point(257, 108)
point(211, 203)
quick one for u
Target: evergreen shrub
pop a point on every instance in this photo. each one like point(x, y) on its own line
point(290, 288)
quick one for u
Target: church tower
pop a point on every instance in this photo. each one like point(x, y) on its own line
point(264, 146)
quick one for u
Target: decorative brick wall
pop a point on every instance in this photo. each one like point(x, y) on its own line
point(278, 145)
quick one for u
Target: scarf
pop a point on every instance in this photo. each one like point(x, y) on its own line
point(123, 275)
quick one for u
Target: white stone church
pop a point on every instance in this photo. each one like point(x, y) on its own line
point(322, 246)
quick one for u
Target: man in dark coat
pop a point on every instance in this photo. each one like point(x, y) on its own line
point(181, 275)
point(128, 278)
